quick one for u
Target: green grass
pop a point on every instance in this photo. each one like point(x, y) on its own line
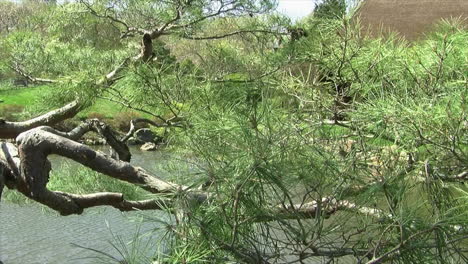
point(31, 96)
point(108, 109)
point(26, 96)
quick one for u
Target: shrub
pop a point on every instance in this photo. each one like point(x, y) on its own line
point(122, 120)
point(11, 112)
point(95, 115)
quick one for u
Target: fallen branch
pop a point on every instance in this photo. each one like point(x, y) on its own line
point(17, 68)
point(327, 206)
point(134, 122)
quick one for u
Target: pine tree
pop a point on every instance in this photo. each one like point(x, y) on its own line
point(330, 9)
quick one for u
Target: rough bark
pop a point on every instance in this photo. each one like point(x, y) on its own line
point(27, 170)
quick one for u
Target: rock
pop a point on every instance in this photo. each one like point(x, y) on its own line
point(94, 141)
point(145, 135)
point(149, 147)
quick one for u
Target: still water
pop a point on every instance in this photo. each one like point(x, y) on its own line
point(31, 235)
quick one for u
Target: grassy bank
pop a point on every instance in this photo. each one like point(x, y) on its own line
point(34, 95)
point(19, 103)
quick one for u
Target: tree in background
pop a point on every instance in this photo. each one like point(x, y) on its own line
point(330, 9)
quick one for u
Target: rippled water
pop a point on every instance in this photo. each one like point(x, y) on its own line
point(29, 235)
point(33, 236)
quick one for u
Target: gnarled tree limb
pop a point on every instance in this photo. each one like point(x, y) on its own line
point(31, 179)
point(13, 129)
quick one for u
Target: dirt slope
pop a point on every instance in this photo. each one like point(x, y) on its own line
point(410, 18)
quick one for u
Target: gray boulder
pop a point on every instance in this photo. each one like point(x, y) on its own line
point(145, 135)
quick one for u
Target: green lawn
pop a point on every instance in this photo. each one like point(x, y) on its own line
point(26, 102)
point(30, 96)
point(26, 96)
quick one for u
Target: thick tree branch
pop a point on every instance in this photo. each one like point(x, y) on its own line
point(99, 127)
point(36, 144)
point(29, 172)
point(115, 200)
point(225, 35)
point(13, 129)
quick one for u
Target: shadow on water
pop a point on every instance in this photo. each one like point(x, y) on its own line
point(31, 235)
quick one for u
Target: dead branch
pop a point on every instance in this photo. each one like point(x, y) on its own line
point(461, 177)
point(134, 122)
point(18, 69)
point(327, 206)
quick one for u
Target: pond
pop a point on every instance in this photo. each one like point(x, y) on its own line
point(30, 234)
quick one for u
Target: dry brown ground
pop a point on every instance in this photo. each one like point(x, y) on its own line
point(410, 18)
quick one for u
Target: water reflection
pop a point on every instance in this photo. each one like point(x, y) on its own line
point(28, 235)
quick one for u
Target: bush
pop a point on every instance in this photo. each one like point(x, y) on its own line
point(95, 115)
point(122, 120)
point(11, 112)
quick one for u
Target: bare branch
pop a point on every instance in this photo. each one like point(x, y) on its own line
point(327, 206)
point(107, 16)
point(140, 120)
point(18, 69)
point(231, 34)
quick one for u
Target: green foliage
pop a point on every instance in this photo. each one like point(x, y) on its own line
point(407, 108)
point(379, 125)
point(330, 9)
